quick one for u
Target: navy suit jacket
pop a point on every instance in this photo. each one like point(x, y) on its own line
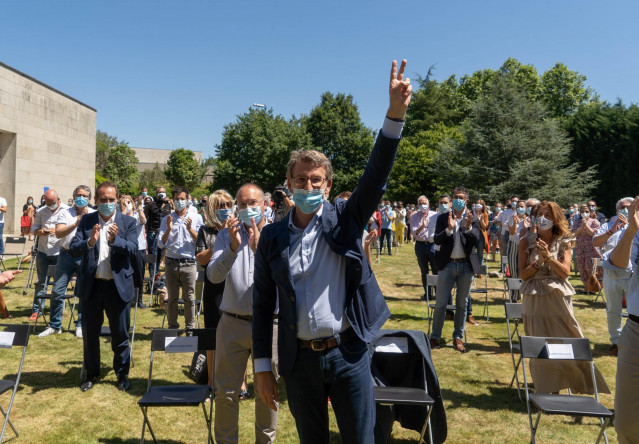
point(342, 228)
point(123, 249)
point(446, 243)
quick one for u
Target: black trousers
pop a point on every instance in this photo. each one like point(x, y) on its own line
point(105, 299)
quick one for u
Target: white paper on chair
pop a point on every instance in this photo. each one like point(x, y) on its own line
point(560, 351)
point(392, 345)
point(180, 344)
point(6, 339)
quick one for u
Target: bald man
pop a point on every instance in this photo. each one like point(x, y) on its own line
point(48, 246)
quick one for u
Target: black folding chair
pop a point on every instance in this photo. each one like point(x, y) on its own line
point(150, 281)
point(16, 241)
point(512, 289)
point(555, 404)
point(504, 264)
point(12, 335)
point(400, 352)
point(182, 395)
point(513, 315)
point(48, 296)
point(483, 271)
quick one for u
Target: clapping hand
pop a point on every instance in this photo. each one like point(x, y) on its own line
point(169, 223)
point(451, 221)
point(542, 247)
point(633, 215)
point(400, 91)
point(187, 222)
point(469, 219)
point(254, 236)
point(621, 221)
point(113, 230)
point(370, 238)
point(94, 237)
point(234, 226)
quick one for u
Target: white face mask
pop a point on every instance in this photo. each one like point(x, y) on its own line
point(423, 208)
point(129, 207)
point(585, 215)
point(478, 206)
point(53, 207)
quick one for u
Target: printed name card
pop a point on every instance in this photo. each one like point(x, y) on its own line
point(392, 345)
point(6, 339)
point(560, 351)
point(181, 344)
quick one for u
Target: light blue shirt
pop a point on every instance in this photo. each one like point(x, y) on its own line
point(319, 280)
point(614, 239)
point(268, 214)
point(386, 221)
point(180, 244)
point(633, 290)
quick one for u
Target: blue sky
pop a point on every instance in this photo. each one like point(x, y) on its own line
point(169, 74)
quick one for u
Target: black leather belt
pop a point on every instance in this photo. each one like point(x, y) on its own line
point(328, 343)
point(182, 261)
point(458, 261)
point(633, 318)
point(245, 317)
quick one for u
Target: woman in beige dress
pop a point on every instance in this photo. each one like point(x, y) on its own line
point(544, 267)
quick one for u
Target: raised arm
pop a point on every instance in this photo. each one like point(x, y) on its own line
point(620, 255)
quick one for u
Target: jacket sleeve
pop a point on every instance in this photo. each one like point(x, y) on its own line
point(79, 243)
point(441, 237)
point(472, 235)
point(264, 302)
point(126, 243)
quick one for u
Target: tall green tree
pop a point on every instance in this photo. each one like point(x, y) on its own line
point(121, 168)
point(256, 148)
point(103, 145)
point(336, 129)
point(563, 90)
point(183, 169)
point(511, 146)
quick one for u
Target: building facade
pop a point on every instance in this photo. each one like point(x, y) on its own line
point(47, 140)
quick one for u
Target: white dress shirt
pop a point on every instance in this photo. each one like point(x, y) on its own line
point(104, 252)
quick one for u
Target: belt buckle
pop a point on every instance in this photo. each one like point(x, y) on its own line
point(321, 345)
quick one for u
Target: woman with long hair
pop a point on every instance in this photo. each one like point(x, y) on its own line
point(585, 228)
point(481, 212)
point(28, 215)
point(127, 208)
point(544, 267)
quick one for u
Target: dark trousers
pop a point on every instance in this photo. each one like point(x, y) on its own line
point(344, 374)
point(152, 247)
point(425, 252)
point(138, 274)
point(388, 234)
point(105, 299)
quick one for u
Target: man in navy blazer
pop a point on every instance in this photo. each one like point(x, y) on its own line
point(107, 242)
point(456, 233)
point(330, 305)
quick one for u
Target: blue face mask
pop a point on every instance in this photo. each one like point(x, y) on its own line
point(444, 208)
point(459, 204)
point(223, 214)
point(528, 210)
point(533, 219)
point(144, 193)
point(81, 201)
point(624, 211)
point(106, 209)
point(246, 214)
point(180, 204)
point(308, 201)
point(521, 210)
point(571, 211)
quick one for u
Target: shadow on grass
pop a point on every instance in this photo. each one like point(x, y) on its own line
point(402, 284)
point(409, 317)
point(137, 440)
point(499, 398)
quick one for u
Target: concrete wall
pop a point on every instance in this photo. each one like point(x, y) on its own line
point(148, 157)
point(47, 139)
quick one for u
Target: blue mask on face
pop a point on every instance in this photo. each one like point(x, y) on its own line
point(222, 214)
point(624, 211)
point(106, 209)
point(571, 211)
point(521, 210)
point(308, 201)
point(81, 201)
point(459, 204)
point(444, 208)
point(528, 210)
point(533, 219)
point(180, 204)
point(246, 214)
point(144, 193)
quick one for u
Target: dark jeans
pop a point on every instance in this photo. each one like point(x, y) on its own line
point(152, 247)
point(105, 298)
point(343, 373)
point(1, 241)
point(388, 234)
point(42, 265)
point(455, 273)
point(65, 267)
point(425, 252)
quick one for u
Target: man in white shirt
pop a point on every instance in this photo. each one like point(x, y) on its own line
point(178, 233)
point(48, 247)
point(66, 222)
point(419, 222)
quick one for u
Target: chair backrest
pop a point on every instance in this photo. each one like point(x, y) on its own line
point(151, 258)
point(535, 347)
point(205, 338)
point(514, 284)
point(15, 240)
point(513, 310)
point(431, 280)
point(21, 333)
point(504, 259)
point(393, 352)
point(51, 271)
point(201, 276)
point(482, 270)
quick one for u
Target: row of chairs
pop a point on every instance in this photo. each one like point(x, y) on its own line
point(18, 241)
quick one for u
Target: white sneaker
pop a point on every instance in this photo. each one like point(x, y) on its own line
point(78, 332)
point(50, 331)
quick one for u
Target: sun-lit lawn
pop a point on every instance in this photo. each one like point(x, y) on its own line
point(480, 407)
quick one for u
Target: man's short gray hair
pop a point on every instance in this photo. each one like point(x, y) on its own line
point(532, 201)
point(422, 197)
point(629, 200)
point(256, 186)
point(313, 157)
point(82, 187)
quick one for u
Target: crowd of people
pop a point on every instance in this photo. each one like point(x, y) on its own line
point(290, 285)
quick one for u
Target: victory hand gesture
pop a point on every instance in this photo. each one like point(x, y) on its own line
point(400, 91)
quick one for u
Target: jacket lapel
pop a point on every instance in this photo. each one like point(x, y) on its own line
point(282, 237)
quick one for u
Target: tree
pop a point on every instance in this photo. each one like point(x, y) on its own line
point(415, 170)
point(511, 146)
point(152, 178)
point(256, 148)
point(183, 169)
point(121, 168)
point(103, 144)
point(563, 90)
point(336, 129)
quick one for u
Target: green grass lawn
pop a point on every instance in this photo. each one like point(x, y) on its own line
point(480, 407)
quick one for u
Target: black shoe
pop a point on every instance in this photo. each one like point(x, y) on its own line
point(141, 305)
point(124, 384)
point(88, 384)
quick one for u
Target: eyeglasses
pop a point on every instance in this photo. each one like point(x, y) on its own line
point(250, 203)
point(227, 205)
point(301, 181)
